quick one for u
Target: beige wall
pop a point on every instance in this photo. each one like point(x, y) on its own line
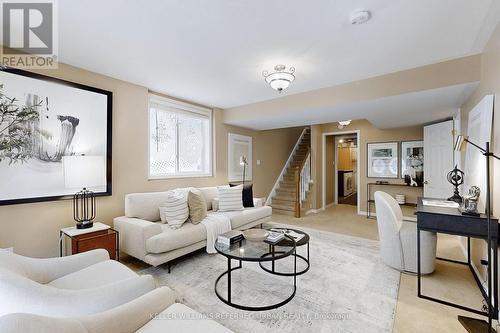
point(490, 84)
point(368, 133)
point(330, 169)
point(33, 229)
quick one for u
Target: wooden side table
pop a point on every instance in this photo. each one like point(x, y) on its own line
point(100, 236)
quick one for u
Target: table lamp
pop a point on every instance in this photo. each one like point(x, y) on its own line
point(84, 172)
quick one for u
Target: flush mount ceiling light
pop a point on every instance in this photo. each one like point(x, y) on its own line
point(359, 16)
point(343, 123)
point(281, 78)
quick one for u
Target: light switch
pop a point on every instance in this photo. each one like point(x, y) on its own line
point(258, 162)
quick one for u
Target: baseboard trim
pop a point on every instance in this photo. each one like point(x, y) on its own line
point(314, 211)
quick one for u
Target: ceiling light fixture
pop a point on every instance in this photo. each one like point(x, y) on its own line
point(343, 123)
point(281, 78)
point(359, 16)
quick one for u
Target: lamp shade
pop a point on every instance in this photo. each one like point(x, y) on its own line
point(460, 142)
point(84, 171)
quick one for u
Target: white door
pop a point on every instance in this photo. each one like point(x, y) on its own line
point(438, 159)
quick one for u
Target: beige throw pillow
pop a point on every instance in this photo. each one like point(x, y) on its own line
point(197, 206)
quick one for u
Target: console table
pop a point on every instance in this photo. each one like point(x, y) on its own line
point(370, 201)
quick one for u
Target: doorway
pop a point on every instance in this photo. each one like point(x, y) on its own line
point(341, 168)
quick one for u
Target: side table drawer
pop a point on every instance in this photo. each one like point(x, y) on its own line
point(104, 239)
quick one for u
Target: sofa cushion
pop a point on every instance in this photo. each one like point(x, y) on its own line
point(248, 215)
point(197, 206)
point(209, 193)
point(97, 275)
point(172, 239)
point(230, 198)
point(247, 194)
point(179, 318)
point(174, 210)
point(144, 205)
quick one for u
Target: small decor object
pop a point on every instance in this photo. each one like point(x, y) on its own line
point(247, 194)
point(383, 160)
point(255, 235)
point(470, 202)
point(197, 206)
point(43, 120)
point(239, 146)
point(456, 178)
point(84, 172)
point(401, 199)
point(281, 78)
point(412, 160)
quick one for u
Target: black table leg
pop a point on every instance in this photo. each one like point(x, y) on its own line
point(229, 279)
point(272, 262)
point(419, 283)
point(60, 243)
point(495, 278)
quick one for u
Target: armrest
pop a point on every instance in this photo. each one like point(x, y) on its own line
point(20, 294)
point(258, 202)
point(134, 233)
point(30, 323)
point(49, 269)
point(131, 316)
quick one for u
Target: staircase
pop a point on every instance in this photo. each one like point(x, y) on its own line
point(291, 191)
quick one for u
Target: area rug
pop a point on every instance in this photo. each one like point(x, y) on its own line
point(347, 289)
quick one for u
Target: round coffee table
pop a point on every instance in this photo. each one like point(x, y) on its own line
point(251, 251)
point(303, 241)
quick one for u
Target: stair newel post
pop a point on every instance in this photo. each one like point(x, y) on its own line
point(297, 192)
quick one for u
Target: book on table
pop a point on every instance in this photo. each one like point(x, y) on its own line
point(230, 237)
point(274, 237)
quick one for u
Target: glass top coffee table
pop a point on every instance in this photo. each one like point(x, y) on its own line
point(255, 251)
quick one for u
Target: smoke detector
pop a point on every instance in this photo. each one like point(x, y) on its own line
point(359, 16)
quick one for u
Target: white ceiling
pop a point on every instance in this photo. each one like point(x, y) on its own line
point(410, 109)
point(213, 52)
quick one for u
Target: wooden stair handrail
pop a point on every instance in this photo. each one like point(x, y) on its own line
point(296, 177)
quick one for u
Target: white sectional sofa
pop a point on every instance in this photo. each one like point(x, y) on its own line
point(143, 236)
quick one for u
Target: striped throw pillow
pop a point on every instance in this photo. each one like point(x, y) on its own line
point(230, 198)
point(174, 210)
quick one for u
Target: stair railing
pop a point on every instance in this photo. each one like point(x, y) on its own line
point(302, 178)
point(285, 167)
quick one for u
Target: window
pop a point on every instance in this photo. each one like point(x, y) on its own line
point(180, 139)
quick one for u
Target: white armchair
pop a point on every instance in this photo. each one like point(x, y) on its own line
point(398, 238)
point(153, 312)
point(82, 284)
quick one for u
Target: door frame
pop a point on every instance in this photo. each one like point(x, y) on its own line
point(323, 167)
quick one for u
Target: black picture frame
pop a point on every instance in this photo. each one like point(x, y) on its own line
point(109, 135)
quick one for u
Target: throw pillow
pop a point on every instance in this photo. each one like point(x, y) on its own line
point(174, 210)
point(230, 198)
point(197, 206)
point(247, 194)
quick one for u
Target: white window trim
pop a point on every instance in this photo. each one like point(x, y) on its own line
point(189, 108)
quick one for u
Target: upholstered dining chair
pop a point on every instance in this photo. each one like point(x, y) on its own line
point(398, 238)
point(77, 285)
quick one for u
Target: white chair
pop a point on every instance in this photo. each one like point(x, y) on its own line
point(154, 312)
point(77, 285)
point(398, 238)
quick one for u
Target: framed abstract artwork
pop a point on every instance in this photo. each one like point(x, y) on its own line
point(49, 120)
point(239, 146)
point(382, 160)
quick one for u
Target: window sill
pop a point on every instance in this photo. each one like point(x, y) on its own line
point(207, 175)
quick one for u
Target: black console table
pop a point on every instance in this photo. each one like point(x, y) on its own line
point(450, 221)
